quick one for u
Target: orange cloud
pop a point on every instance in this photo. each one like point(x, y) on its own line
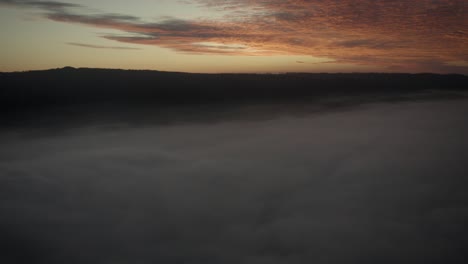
point(399, 34)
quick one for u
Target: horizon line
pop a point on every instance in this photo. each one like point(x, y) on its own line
point(244, 73)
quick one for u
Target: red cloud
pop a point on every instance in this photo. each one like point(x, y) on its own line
point(424, 34)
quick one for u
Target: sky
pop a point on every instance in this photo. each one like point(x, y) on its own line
point(236, 35)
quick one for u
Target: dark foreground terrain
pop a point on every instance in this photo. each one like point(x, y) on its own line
point(69, 93)
point(109, 166)
point(87, 86)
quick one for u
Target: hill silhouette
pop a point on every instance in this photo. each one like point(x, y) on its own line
point(84, 85)
point(22, 93)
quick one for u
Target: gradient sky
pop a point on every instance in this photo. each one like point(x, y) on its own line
point(236, 35)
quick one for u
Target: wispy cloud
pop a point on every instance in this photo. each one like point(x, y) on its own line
point(418, 34)
point(49, 5)
point(84, 45)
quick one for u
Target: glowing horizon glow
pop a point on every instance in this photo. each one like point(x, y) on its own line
point(236, 35)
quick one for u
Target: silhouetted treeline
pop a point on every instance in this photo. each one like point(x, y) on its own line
point(69, 86)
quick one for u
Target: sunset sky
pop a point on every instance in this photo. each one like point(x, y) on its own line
point(236, 35)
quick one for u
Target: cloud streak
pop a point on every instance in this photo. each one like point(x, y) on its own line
point(99, 46)
point(412, 35)
point(48, 5)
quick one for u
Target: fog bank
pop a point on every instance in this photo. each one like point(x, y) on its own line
point(380, 183)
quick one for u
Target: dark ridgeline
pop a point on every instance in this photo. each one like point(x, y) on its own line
point(23, 92)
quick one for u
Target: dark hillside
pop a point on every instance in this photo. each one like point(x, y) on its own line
point(83, 86)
